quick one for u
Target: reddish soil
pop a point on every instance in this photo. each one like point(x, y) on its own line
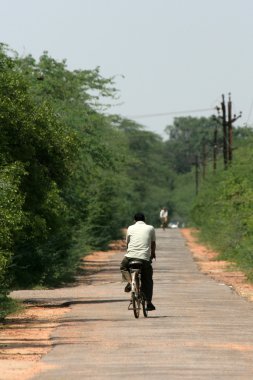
point(221, 271)
point(25, 335)
point(27, 326)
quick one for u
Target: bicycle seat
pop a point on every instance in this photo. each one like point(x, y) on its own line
point(135, 264)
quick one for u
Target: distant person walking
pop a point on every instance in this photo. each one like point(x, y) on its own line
point(164, 218)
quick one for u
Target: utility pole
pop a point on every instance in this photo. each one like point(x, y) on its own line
point(224, 128)
point(231, 120)
point(215, 147)
point(204, 158)
point(230, 129)
point(227, 126)
point(196, 163)
point(215, 138)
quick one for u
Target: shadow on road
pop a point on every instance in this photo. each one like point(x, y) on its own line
point(69, 303)
point(55, 302)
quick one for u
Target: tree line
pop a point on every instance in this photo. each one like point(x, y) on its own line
point(71, 176)
point(222, 208)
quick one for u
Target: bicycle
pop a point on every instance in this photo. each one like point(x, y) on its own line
point(138, 299)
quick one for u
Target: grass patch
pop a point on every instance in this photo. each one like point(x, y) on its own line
point(8, 306)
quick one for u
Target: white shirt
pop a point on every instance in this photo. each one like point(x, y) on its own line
point(163, 213)
point(139, 237)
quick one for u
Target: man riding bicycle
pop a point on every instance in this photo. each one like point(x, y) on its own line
point(141, 246)
point(164, 217)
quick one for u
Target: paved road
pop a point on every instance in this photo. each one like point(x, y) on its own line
point(200, 330)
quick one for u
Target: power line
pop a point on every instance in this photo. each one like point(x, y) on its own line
point(170, 113)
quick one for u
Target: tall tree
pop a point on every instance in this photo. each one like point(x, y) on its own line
point(188, 137)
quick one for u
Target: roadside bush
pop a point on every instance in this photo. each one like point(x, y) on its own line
point(37, 152)
point(11, 217)
point(224, 211)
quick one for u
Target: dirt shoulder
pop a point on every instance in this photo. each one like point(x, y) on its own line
point(25, 335)
point(221, 271)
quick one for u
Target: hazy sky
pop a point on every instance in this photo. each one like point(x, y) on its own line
point(175, 55)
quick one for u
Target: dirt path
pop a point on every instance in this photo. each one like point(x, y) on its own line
point(221, 271)
point(26, 337)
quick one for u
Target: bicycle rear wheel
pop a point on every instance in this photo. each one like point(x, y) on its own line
point(144, 306)
point(136, 305)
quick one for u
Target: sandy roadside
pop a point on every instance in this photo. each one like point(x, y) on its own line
point(221, 271)
point(25, 336)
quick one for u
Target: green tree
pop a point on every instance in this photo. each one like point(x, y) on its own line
point(75, 97)
point(189, 137)
point(223, 210)
point(150, 174)
point(43, 148)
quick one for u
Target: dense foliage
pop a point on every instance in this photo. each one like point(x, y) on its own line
point(37, 155)
point(224, 210)
point(221, 206)
point(189, 137)
point(71, 176)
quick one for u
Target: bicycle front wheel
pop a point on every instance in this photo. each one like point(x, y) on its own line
point(136, 304)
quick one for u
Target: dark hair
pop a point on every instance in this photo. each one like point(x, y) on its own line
point(139, 216)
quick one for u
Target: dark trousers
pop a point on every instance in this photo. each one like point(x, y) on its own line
point(146, 275)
